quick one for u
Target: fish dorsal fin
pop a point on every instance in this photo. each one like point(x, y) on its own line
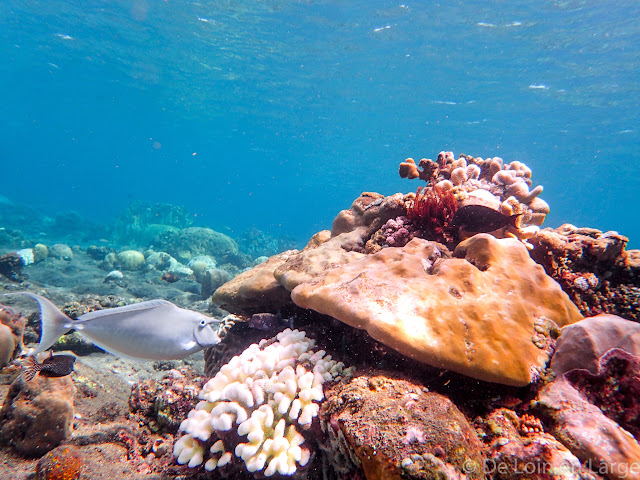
point(142, 306)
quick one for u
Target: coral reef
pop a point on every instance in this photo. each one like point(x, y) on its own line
point(258, 243)
point(593, 267)
point(389, 427)
point(36, 416)
point(267, 393)
point(145, 222)
point(509, 184)
point(465, 314)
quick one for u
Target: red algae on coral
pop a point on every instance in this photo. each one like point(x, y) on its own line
point(432, 211)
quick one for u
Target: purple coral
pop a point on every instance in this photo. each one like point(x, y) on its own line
point(398, 231)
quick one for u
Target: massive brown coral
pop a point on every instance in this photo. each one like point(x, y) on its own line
point(465, 314)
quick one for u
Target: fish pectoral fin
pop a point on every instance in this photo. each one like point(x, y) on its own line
point(188, 346)
point(31, 368)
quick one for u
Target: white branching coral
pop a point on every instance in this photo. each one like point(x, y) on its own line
point(264, 394)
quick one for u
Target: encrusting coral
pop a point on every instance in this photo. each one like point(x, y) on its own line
point(267, 393)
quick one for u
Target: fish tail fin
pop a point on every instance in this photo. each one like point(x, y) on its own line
point(31, 368)
point(54, 323)
point(514, 220)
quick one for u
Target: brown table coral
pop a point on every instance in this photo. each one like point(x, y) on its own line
point(487, 314)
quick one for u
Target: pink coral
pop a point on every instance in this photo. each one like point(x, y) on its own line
point(398, 231)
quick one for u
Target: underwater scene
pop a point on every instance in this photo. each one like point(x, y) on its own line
point(320, 240)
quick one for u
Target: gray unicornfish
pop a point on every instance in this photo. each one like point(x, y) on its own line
point(153, 330)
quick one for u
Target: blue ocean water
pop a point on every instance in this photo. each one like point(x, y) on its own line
point(277, 114)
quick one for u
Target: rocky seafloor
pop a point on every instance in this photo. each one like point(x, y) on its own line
point(400, 344)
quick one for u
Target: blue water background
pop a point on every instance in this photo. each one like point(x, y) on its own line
point(277, 114)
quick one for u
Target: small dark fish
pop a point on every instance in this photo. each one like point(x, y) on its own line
point(481, 219)
point(170, 277)
point(268, 321)
point(52, 366)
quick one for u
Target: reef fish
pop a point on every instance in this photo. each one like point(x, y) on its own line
point(52, 366)
point(481, 219)
point(269, 321)
point(152, 330)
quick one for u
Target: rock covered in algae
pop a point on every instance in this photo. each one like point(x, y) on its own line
point(36, 415)
point(582, 344)
point(391, 428)
point(466, 314)
point(62, 463)
point(591, 436)
point(517, 447)
point(255, 290)
point(593, 267)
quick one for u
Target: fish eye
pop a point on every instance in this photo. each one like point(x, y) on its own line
point(203, 323)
